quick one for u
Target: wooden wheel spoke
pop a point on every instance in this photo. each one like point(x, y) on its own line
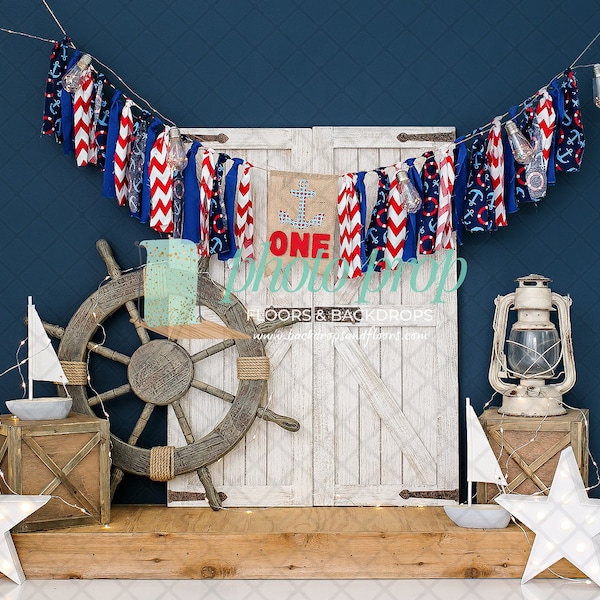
point(56, 331)
point(212, 390)
point(115, 273)
point(214, 498)
point(141, 424)
point(183, 422)
point(109, 394)
point(137, 321)
point(214, 349)
point(109, 353)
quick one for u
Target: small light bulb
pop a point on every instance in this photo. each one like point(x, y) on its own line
point(409, 196)
point(581, 547)
point(176, 157)
point(523, 151)
point(72, 77)
point(596, 85)
point(565, 525)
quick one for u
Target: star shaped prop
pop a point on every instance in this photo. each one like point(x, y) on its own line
point(13, 509)
point(565, 523)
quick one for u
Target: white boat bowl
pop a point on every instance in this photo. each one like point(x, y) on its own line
point(478, 516)
point(40, 409)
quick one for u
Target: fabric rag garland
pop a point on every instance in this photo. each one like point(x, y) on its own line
point(209, 202)
point(205, 202)
point(462, 189)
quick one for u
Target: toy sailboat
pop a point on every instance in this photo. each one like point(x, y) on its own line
point(481, 466)
point(43, 365)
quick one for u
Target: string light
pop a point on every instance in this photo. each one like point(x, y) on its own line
point(596, 85)
point(55, 497)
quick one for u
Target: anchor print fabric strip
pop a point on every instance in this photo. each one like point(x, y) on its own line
point(571, 138)
point(429, 210)
point(377, 233)
point(51, 120)
point(219, 234)
point(479, 214)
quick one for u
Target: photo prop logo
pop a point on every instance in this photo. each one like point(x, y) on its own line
point(170, 282)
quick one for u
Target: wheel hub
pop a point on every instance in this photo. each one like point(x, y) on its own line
point(160, 372)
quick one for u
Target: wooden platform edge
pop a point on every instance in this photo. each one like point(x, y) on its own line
point(195, 549)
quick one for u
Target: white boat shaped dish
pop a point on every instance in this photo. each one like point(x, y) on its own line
point(40, 409)
point(478, 516)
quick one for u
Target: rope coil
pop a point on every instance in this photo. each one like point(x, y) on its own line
point(253, 367)
point(75, 372)
point(162, 463)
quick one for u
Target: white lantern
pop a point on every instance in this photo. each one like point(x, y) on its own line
point(538, 367)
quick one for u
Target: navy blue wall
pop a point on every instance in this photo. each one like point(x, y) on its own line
point(298, 63)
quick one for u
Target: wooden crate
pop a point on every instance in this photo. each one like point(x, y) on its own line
point(528, 449)
point(66, 458)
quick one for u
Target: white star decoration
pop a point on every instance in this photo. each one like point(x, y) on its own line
point(13, 509)
point(566, 523)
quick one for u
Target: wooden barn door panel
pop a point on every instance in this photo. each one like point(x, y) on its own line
point(377, 401)
point(270, 466)
point(389, 414)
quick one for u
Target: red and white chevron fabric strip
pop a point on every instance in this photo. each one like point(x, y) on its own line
point(122, 151)
point(396, 224)
point(443, 234)
point(350, 229)
point(344, 225)
point(207, 175)
point(244, 216)
point(85, 144)
point(161, 186)
point(546, 118)
point(495, 159)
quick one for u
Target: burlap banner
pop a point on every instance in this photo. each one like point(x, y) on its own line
point(302, 216)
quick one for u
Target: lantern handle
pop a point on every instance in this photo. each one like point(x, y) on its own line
point(498, 358)
point(563, 304)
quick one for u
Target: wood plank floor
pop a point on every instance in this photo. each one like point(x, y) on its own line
point(155, 542)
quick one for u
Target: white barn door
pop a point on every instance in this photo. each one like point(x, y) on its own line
point(373, 385)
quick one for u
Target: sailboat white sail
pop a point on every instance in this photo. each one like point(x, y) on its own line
point(482, 466)
point(43, 365)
